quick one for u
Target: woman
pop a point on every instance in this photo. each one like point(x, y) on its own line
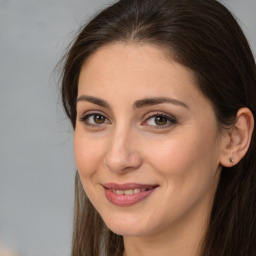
point(162, 98)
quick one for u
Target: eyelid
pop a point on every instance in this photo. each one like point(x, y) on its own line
point(91, 112)
point(172, 120)
point(85, 116)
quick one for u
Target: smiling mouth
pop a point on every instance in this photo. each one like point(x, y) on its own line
point(127, 194)
point(129, 191)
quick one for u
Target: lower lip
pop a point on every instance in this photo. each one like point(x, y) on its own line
point(127, 200)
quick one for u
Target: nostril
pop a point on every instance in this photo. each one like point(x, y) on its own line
point(122, 161)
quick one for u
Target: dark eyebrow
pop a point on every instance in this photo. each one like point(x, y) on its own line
point(93, 100)
point(158, 100)
point(137, 104)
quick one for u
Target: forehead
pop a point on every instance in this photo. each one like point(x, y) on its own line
point(136, 65)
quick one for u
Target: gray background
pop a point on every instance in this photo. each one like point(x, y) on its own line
point(36, 154)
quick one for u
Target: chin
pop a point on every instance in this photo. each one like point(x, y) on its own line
point(126, 231)
point(128, 228)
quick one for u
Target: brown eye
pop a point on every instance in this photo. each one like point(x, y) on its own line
point(161, 120)
point(99, 119)
point(95, 119)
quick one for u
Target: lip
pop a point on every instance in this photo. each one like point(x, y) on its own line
point(142, 192)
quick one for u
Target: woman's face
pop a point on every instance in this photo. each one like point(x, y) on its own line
point(146, 141)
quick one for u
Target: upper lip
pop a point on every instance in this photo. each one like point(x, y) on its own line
point(128, 186)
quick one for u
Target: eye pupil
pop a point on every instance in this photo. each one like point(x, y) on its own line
point(99, 119)
point(160, 120)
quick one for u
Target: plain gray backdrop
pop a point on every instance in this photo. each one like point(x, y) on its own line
point(36, 153)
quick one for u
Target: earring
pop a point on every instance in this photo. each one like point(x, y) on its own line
point(231, 160)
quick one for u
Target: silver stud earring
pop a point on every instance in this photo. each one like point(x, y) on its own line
point(231, 160)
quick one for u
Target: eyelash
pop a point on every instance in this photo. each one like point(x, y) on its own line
point(169, 119)
point(85, 118)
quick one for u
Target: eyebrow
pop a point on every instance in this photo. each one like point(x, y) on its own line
point(93, 100)
point(158, 100)
point(137, 104)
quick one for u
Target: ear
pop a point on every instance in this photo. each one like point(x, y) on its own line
point(238, 138)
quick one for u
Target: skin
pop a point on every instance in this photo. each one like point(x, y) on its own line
point(127, 144)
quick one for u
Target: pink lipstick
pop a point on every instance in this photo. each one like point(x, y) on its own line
point(127, 194)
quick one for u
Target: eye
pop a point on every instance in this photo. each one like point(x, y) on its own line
point(160, 120)
point(94, 119)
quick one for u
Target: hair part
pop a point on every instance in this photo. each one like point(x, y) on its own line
point(203, 36)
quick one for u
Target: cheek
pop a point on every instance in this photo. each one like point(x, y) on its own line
point(171, 159)
point(189, 158)
point(88, 154)
point(89, 158)
point(188, 171)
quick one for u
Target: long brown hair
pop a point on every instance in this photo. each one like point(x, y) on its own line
point(205, 37)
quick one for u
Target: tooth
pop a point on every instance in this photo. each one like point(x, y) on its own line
point(119, 192)
point(128, 192)
point(136, 191)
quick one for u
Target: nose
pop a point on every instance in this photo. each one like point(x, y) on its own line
point(122, 154)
